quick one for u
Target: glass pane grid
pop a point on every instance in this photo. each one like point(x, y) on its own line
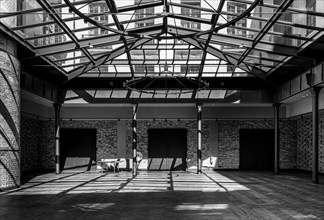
point(296, 26)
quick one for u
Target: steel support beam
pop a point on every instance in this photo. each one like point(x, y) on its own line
point(276, 108)
point(70, 46)
point(266, 27)
point(239, 83)
point(315, 95)
point(213, 24)
point(141, 6)
point(199, 114)
point(134, 131)
point(57, 109)
point(201, 44)
point(246, 43)
point(230, 59)
point(110, 39)
point(84, 95)
point(52, 13)
point(30, 11)
point(113, 9)
point(103, 59)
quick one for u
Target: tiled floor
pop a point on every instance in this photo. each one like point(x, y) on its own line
point(165, 195)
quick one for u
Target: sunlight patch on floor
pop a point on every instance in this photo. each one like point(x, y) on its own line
point(200, 207)
point(92, 207)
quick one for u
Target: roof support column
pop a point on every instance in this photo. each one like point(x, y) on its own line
point(199, 113)
point(57, 109)
point(134, 125)
point(276, 108)
point(315, 94)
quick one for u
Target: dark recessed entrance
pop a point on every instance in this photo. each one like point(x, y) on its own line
point(256, 149)
point(78, 148)
point(167, 149)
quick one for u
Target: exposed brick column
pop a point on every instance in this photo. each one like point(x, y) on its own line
point(9, 114)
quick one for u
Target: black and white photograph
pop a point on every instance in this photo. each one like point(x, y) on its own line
point(162, 109)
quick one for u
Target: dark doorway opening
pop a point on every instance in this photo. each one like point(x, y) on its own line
point(256, 149)
point(167, 149)
point(78, 149)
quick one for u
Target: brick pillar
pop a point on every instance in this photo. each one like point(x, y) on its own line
point(9, 114)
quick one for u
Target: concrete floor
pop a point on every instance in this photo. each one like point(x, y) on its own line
point(165, 195)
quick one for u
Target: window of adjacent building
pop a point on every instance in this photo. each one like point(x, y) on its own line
point(51, 29)
point(143, 69)
point(101, 16)
point(285, 29)
point(190, 12)
point(190, 69)
point(143, 13)
point(100, 9)
point(236, 8)
point(310, 19)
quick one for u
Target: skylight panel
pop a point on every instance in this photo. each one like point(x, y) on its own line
point(119, 93)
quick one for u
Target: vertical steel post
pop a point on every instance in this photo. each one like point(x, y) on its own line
point(315, 95)
point(134, 125)
point(276, 108)
point(57, 109)
point(199, 112)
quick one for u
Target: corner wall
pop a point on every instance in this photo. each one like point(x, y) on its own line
point(304, 142)
point(9, 114)
point(30, 143)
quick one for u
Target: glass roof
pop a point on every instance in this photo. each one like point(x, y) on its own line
point(147, 38)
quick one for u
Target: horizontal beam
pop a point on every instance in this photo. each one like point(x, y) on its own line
point(40, 9)
point(105, 58)
point(141, 6)
point(105, 40)
point(153, 100)
point(271, 22)
point(247, 43)
point(224, 39)
point(250, 83)
point(218, 53)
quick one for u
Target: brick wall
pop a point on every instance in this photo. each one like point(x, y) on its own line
point(7, 44)
point(228, 139)
point(43, 141)
point(42, 132)
point(191, 125)
point(9, 119)
point(29, 143)
point(304, 142)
